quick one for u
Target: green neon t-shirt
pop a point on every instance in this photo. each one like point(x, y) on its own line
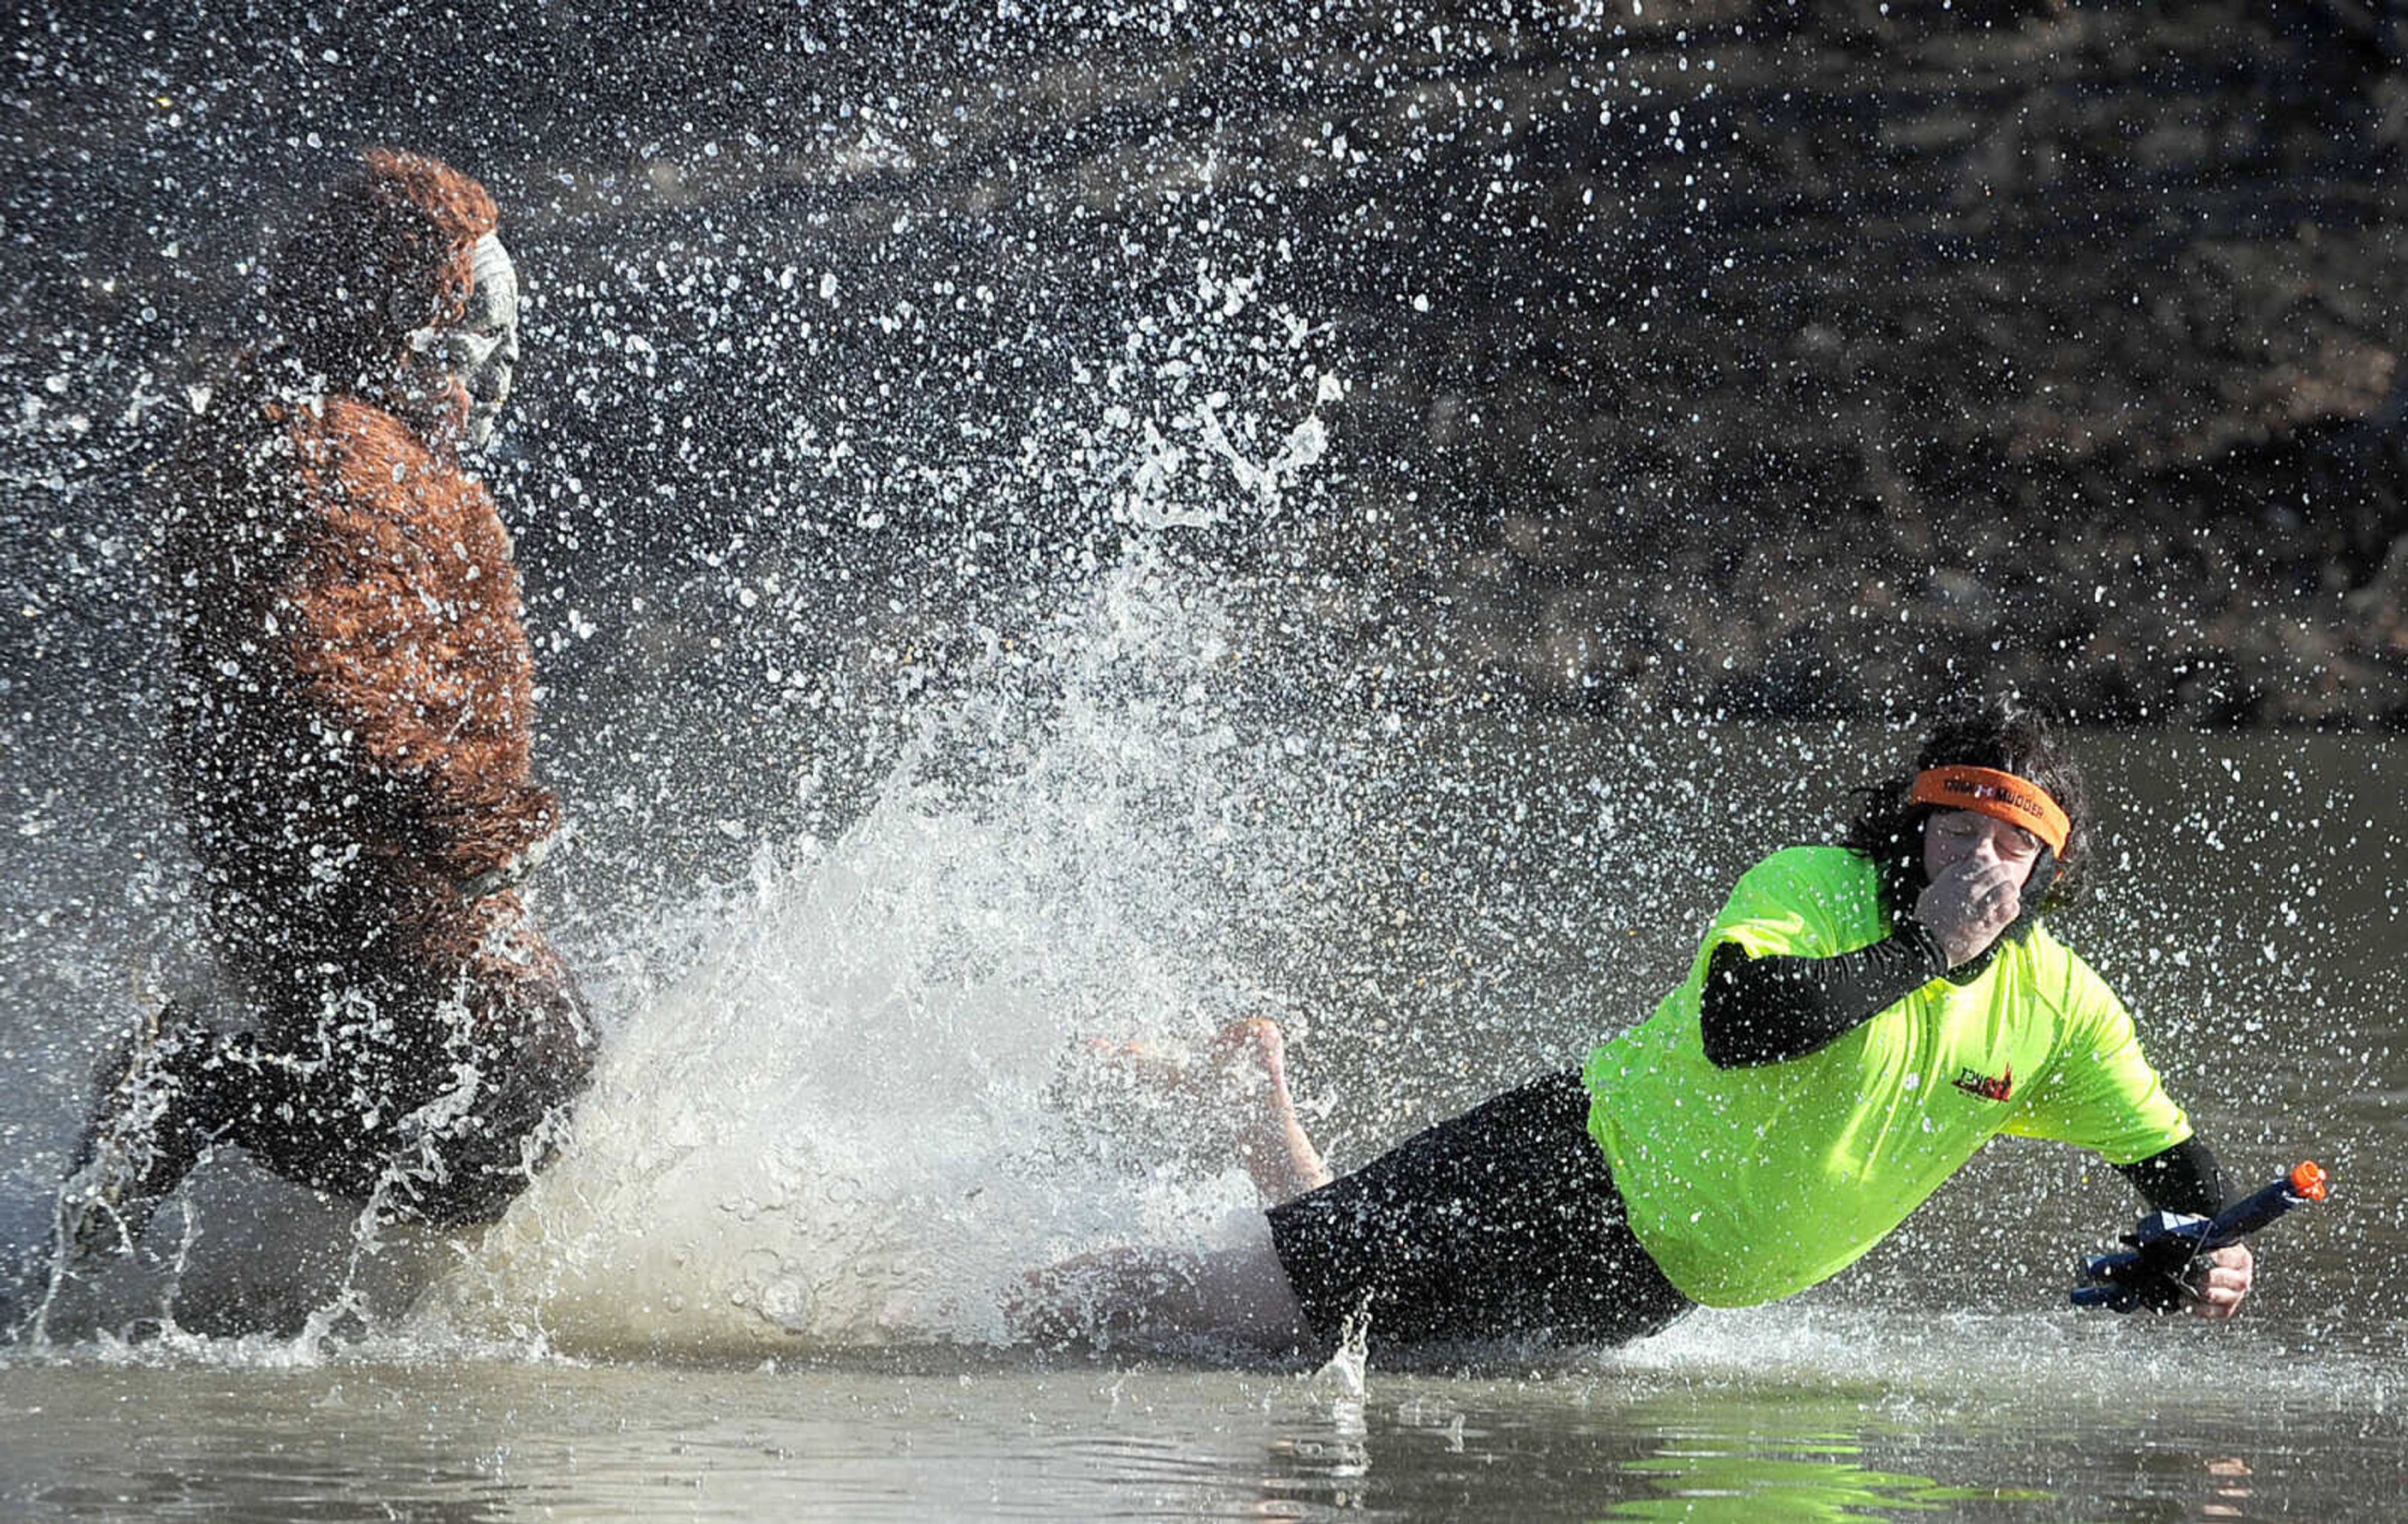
point(1752, 1184)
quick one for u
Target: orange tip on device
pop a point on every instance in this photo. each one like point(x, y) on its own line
point(2309, 1179)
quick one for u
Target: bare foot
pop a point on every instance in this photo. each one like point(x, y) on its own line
point(1240, 1081)
point(1143, 1066)
point(1242, 1070)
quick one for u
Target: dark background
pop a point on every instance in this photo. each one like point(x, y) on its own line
point(1762, 360)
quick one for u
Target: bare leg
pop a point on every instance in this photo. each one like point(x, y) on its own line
point(1240, 1088)
point(1271, 1140)
point(1156, 1298)
point(1161, 1299)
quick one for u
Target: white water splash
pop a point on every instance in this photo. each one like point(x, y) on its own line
point(867, 1111)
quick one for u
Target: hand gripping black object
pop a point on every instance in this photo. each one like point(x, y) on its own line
point(2154, 1272)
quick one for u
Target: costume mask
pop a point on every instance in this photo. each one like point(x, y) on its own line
point(476, 349)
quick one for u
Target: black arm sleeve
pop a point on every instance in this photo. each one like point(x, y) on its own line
point(2184, 1178)
point(1761, 1010)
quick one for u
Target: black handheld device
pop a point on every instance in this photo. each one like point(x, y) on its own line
point(2154, 1272)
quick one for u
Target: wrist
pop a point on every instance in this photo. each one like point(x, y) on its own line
point(1925, 943)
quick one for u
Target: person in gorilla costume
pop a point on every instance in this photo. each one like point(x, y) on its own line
point(349, 741)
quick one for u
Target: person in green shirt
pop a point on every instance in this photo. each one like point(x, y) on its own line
point(1857, 1022)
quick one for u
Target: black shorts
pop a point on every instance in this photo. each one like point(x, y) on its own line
point(1500, 1224)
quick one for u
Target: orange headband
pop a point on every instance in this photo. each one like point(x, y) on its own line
point(1999, 795)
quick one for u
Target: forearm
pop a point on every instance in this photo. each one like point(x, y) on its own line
point(2184, 1178)
point(1763, 1010)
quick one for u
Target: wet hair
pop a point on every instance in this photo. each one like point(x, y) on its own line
point(388, 251)
point(2000, 733)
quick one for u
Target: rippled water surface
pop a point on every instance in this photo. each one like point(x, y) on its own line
point(1782, 1416)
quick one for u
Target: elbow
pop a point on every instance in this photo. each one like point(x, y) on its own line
point(1724, 1031)
point(1726, 1043)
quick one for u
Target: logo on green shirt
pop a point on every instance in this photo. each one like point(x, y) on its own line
point(1974, 1082)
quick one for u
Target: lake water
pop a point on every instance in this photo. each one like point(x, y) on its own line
point(1780, 1415)
point(765, 1282)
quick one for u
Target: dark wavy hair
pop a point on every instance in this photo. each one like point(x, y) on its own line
point(1999, 732)
point(388, 251)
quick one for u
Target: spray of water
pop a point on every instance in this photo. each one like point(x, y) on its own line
point(849, 1098)
point(869, 1105)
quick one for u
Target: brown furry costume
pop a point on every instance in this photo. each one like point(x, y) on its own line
point(354, 713)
